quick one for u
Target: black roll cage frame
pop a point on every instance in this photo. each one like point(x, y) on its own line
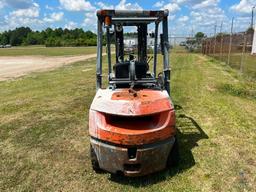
point(133, 18)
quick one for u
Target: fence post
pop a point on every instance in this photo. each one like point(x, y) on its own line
point(209, 46)
point(230, 40)
point(211, 51)
point(221, 41)
point(243, 51)
point(206, 46)
point(215, 38)
point(203, 47)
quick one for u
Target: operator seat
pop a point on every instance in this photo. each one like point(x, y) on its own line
point(122, 69)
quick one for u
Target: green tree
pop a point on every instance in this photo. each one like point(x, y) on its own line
point(199, 36)
point(19, 35)
point(5, 38)
point(49, 37)
point(250, 30)
point(34, 38)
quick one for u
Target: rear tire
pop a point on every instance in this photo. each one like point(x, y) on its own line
point(94, 161)
point(174, 155)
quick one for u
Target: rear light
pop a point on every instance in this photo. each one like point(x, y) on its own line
point(107, 21)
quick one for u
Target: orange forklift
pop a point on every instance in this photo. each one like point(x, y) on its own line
point(132, 122)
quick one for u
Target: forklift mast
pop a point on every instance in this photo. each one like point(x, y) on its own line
point(140, 19)
point(142, 42)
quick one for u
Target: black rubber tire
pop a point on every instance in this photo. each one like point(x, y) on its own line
point(94, 161)
point(174, 155)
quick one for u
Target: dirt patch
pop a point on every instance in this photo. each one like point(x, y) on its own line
point(12, 67)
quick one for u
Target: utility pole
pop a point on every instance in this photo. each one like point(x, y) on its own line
point(252, 25)
point(192, 32)
point(230, 40)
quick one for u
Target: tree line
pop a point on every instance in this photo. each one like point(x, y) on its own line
point(48, 37)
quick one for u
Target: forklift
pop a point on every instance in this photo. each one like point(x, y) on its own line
point(132, 121)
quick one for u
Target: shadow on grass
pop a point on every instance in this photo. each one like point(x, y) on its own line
point(189, 133)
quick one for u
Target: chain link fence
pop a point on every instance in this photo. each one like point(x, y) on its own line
point(234, 49)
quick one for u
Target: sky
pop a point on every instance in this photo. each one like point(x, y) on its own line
point(186, 16)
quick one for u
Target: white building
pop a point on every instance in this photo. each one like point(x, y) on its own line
point(132, 41)
point(129, 42)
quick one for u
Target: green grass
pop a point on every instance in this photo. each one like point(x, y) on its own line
point(249, 66)
point(46, 51)
point(44, 142)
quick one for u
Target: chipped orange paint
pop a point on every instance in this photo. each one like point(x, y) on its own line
point(121, 102)
point(132, 118)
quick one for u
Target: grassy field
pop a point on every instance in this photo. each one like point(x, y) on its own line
point(44, 142)
point(249, 66)
point(46, 51)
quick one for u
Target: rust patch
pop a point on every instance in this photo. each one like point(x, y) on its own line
point(143, 161)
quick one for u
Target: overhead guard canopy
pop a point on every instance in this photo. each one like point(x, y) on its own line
point(132, 13)
point(128, 17)
point(140, 19)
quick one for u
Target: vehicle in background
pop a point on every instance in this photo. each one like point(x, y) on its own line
point(131, 49)
point(5, 46)
point(182, 43)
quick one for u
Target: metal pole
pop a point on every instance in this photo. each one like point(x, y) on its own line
point(203, 42)
point(192, 32)
point(252, 17)
point(155, 48)
point(215, 38)
point(166, 55)
point(230, 40)
point(243, 51)
point(205, 48)
point(99, 56)
point(221, 40)
point(109, 53)
point(210, 46)
point(119, 43)
point(202, 47)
